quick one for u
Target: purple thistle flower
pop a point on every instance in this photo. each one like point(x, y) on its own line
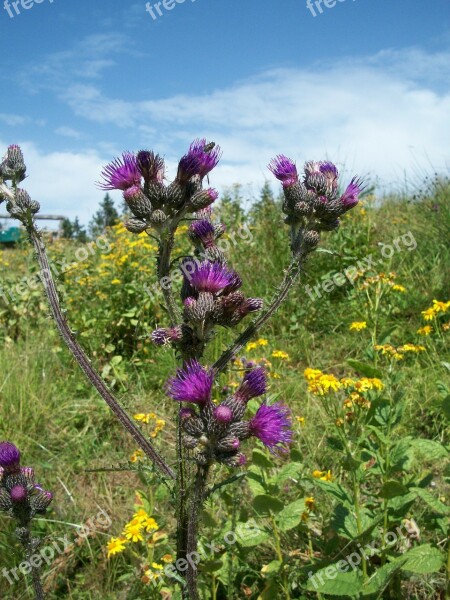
point(121, 173)
point(254, 383)
point(331, 173)
point(234, 284)
point(18, 493)
point(211, 277)
point(241, 460)
point(186, 413)
point(272, 425)
point(204, 231)
point(350, 198)
point(198, 161)
point(9, 457)
point(284, 170)
point(193, 383)
point(151, 166)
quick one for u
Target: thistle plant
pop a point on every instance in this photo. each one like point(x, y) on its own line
point(22, 499)
point(210, 297)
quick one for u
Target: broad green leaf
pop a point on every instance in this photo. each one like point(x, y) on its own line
point(393, 488)
point(446, 407)
point(251, 534)
point(364, 369)
point(291, 515)
point(380, 579)
point(334, 582)
point(255, 483)
point(333, 489)
point(431, 500)
point(429, 449)
point(265, 505)
point(288, 471)
point(423, 559)
point(401, 455)
point(261, 459)
point(210, 566)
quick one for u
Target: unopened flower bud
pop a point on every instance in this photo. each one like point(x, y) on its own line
point(135, 225)
point(138, 202)
point(203, 198)
point(157, 218)
point(18, 494)
point(223, 414)
point(13, 165)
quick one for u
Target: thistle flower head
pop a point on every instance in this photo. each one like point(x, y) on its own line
point(284, 170)
point(193, 383)
point(350, 198)
point(122, 173)
point(329, 170)
point(9, 457)
point(204, 231)
point(151, 166)
point(200, 160)
point(211, 277)
point(254, 383)
point(272, 425)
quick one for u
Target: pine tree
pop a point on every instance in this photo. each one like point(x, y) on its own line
point(106, 216)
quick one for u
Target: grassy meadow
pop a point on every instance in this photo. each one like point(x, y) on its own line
point(362, 338)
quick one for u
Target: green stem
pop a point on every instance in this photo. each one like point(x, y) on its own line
point(280, 557)
point(289, 279)
point(358, 520)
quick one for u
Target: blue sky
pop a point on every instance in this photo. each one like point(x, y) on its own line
point(364, 83)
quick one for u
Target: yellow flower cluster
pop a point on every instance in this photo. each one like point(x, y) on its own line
point(253, 345)
point(133, 532)
point(381, 278)
point(322, 475)
point(425, 330)
point(280, 354)
point(146, 418)
point(399, 352)
point(358, 326)
point(438, 307)
point(320, 383)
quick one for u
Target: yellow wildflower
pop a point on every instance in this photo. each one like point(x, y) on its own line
point(144, 417)
point(116, 282)
point(358, 325)
point(140, 515)
point(115, 545)
point(324, 384)
point(301, 420)
point(322, 475)
point(398, 288)
point(347, 382)
point(251, 346)
point(310, 503)
point(446, 326)
point(157, 566)
point(312, 374)
point(280, 354)
point(262, 342)
point(167, 558)
point(366, 383)
point(136, 456)
point(133, 531)
point(149, 524)
point(426, 330)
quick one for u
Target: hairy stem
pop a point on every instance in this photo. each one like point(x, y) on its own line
point(196, 503)
point(82, 359)
point(30, 546)
point(165, 251)
point(289, 279)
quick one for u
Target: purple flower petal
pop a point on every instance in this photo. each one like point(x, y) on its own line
point(272, 425)
point(284, 170)
point(121, 173)
point(193, 383)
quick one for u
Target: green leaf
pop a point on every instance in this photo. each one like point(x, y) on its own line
point(380, 579)
point(345, 524)
point(261, 459)
point(429, 449)
point(392, 488)
point(423, 559)
point(446, 407)
point(266, 505)
point(288, 471)
point(333, 489)
point(255, 483)
point(272, 567)
point(210, 566)
point(291, 515)
point(401, 455)
point(251, 534)
point(364, 369)
point(432, 502)
point(116, 360)
point(334, 582)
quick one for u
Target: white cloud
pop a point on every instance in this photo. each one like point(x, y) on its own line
point(379, 115)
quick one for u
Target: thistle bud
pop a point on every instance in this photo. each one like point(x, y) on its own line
point(223, 414)
point(40, 500)
point(310, 241)
point(13, 166)
point(138, 202)
point(203, 198)
point(135, 225)
point(228, 444)
point(158, 218)
point(18, 494)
